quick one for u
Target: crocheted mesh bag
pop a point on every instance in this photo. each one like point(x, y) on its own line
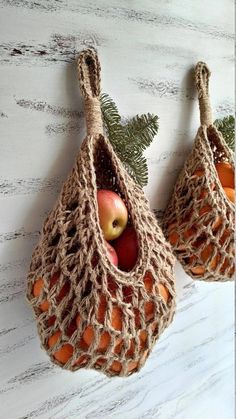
point(89, 313)
point(199, 219)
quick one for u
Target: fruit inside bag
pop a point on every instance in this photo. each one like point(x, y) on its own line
point(199, 219)
point(101, 277)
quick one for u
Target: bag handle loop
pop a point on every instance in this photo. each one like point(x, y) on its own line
point(202, 76)
point(89, 77)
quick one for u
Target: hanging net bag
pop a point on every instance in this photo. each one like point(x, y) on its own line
point(89, 313)
point(199, 219)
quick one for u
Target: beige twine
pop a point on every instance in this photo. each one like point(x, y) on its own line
point(199, 215)
point(72, 244)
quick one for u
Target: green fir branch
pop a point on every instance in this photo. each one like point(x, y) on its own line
point(129, 140)
point(141, 129)
point(112, 120)
point(227, 128)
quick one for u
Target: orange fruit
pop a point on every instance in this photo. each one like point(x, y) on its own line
point(136, 317)
point(102, 309)
point(131, 349)
point(116, 318)
point(143, 335)
point(100, 361)
point(88, 337)
point(132, 365)
point(226, 174)
point(65, 352)
point(225, 266)
point(44, 306)
point(63, 292)
point(38, 286)
point(118, 346)
point(143, 338)
point(198, 270)
point(205, 210)
point(189, 233)
point(148, 282)
point(174, 236)
point(164, 292)
point(37, 289)
point(230, 194)
point(205, 254)
point(199, 172)
point(78, 318)
point(116, 366)
point(82, 360)
point(224, 236)
point(205, 192)
point(217, 223)
point(149, 306)
point(105, 338)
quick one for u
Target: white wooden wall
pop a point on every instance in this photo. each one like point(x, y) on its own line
point(147, 51)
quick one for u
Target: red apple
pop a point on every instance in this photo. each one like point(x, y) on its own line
point(112, 255)
point(113, 214)
point(126, 247)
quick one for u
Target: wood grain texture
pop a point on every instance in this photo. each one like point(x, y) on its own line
point(147, 51)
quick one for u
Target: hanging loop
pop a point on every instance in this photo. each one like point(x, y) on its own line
point(89, 78)
point(202, 75)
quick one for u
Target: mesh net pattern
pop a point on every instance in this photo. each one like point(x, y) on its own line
point(95, 314)
point(199, 219)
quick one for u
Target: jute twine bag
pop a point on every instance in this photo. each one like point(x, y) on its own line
point(199, 219)
point(82, 295)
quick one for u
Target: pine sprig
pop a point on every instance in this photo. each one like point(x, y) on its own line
point(131, 139)
point(141, 129)
point(227, 128)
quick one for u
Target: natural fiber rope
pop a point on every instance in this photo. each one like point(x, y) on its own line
point(199, 219)
point(72, 245)
point(93, 116)
point(202, 75)
point(89, 77)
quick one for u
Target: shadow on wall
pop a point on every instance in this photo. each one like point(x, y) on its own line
point(184, 130)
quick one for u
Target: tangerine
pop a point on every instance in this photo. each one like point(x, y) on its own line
point(226, 174)
point(66, 350)
point(199, 173)
point(207, 208)
point(37, 289)
point(88, 337)
point(230, 194)
point(116, 366)
point(174, 236)
point(82, 360)
point(205, 254)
